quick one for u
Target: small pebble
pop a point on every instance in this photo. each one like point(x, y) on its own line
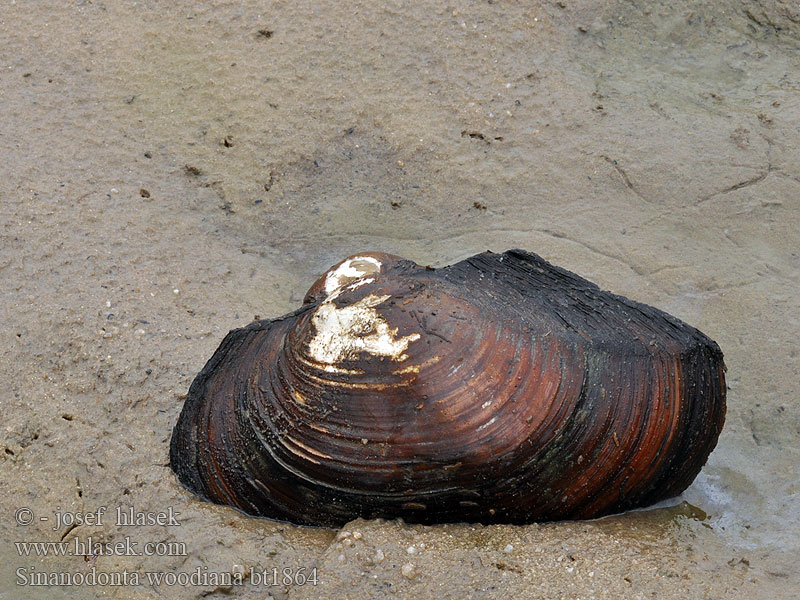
point(108, 303)
point(409, 571)
point(357, 535)
point(237, 570)
point(348, 542)
point(379, 556)
point(342, 535)
point(176, 291)
point(411, 550)
point(341, 558)
point(508, 548)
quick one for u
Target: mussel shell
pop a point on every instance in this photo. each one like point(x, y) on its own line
point(498, 389)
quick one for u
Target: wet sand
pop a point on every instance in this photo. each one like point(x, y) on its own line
point(172, 171)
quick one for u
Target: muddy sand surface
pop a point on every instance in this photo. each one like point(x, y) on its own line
point(172, 170)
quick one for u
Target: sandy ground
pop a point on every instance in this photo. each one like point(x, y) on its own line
point(170, 170)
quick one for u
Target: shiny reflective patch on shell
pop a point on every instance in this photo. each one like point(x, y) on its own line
point(415, 368)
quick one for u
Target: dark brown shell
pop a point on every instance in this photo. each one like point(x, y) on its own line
point(498, 389)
